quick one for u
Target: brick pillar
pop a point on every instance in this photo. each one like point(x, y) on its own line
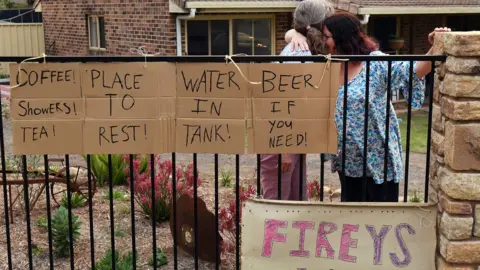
point(455, 162)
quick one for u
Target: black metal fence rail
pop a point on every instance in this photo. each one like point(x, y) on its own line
point(12, 264)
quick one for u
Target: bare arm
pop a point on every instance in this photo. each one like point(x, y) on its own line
point(289, 35)
point(298, 40)
point(425, 67)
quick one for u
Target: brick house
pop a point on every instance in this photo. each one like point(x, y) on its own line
point(254, 27)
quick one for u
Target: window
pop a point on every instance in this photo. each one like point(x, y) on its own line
point(96, 32)
point(252, 36)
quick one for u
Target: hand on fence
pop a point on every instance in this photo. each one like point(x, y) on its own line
point(431, 36)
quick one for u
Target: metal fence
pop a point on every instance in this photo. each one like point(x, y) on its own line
point(50, 261)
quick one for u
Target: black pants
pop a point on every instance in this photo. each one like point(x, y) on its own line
point(354, 189)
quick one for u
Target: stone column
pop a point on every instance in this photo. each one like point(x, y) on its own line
point(455, 162)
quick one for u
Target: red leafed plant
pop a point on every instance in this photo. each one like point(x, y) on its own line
point(227, 219)
point(162, 184)
point(313, 190)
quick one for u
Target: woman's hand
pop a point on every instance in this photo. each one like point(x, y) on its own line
point(298, 41)
point(425, 67)
point(431, 36)
point(286, 163)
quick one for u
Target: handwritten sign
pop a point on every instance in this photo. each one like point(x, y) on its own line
point(53, 137)
point(52, 80)
point(282, 235)
point(211, 109)
point(46, 108)
point(124, 108)
point(293, 106)
point(173, 107)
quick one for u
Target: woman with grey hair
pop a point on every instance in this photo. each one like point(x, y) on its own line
point(308, 14)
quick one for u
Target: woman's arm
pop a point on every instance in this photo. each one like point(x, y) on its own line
point(298, 40)
point(289, 35)
point(425, 67)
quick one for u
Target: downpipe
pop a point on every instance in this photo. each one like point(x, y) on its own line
point(179, 28)
point(365, 19)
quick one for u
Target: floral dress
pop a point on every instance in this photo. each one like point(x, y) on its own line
point(376, 120)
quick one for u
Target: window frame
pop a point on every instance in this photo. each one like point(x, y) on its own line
point(230, 19)
point(97, 19)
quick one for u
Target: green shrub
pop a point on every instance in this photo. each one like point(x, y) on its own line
point(41, 222)
point(100, 169)
point(3, 76)
point(226, 180)
point(162, 258)
point(6, 4)
point(77, 200)
point(118, 195)
point(60, 231)
point(415, 198)
point(121, 263)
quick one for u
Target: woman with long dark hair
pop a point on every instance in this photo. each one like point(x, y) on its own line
point(343, 34)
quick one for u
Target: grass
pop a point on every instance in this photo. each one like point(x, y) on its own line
point(226, 178)
point(118, 195)
point(418, 132)
point(162, 258)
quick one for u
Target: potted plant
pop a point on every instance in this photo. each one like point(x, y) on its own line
point(396, 42)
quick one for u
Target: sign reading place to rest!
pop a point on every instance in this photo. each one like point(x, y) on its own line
point(117, 108)
point(283, 235)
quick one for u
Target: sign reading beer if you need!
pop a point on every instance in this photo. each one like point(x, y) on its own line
point(293, 236)
point(94, 108)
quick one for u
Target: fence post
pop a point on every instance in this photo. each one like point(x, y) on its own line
point(455, 159)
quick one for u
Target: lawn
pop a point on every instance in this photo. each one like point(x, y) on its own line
point(418, 132)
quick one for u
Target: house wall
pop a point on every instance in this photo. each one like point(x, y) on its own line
point(128, 24)
point(415, 30)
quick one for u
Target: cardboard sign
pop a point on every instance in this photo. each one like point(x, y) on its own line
point(210, 136)
point(291, 136)
point(294, 80)
point(211, 80)
point(128, 108)
point(282, 235)
point(35, 109)
point(128, 79)
point(136, 136)
point(184, 107)
point(53, 137)
point(215, 108)
point(293, 107)
point(206, 94)
point(50, 80)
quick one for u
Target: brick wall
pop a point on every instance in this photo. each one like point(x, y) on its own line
point(282, 25)
point(417, 28)
point(127, 24)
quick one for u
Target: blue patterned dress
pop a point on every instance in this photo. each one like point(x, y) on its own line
point(377, 120)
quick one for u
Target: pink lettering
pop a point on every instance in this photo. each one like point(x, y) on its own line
point(271, 235)
point(347, 242)
point(322, 241)
point(303, 226)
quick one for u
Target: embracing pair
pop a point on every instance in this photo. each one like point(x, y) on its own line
point(321, 30)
